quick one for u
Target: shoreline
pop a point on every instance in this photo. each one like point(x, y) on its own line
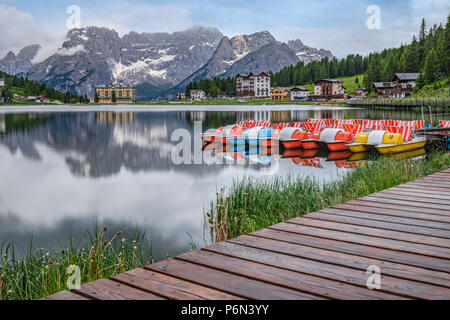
point(6, 109)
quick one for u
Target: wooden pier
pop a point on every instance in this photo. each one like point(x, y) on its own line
point(404, 231)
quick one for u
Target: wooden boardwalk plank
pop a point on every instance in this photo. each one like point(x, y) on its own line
point(357, 249)
point(416, 193)
point(374, 207)
point(303, 282)
point(404, 230)
point(441, 227)
point(391, 285)
point(227, 282)
point(169, 287)
point(413, 198)
point(407, 203)
point(364, 204)
point(372, 230)
point(397, 245)
point(423, 190)
point(323, 215)
point(110, 290)
point(314, 253)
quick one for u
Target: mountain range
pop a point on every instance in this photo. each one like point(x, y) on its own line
point(157, 64)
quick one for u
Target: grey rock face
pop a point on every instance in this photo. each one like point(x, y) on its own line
point(271, 57)
point(308, 54)
point(156, 62)
point(21, 63)
point(227, 53)
point(97, 56)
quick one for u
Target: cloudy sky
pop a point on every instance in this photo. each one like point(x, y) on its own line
point(339, 26)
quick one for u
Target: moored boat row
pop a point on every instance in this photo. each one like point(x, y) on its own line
point(385, 136)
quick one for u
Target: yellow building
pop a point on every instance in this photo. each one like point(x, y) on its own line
point(123, 94)
point(280, 93)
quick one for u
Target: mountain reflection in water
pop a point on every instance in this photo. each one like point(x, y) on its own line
point(61, 172)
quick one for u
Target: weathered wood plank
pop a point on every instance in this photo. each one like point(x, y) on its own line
point(441, 227)
point(65, 295)
point(397, 245)
point(332, 256)
point(391, 285)
point(387, 202)
point(323, 215)
point(416, 199)
point(418, 194)
point(374, 207)
point(391, 206)
point(227, 282)
point(429, 186)
point(427, 190)
point(373, 231)
point(110, 290)
point(170, 287)
point(302, 282)
point(384, 254)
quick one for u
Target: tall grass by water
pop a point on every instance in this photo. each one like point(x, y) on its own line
point(40, 273)
point(252, 204)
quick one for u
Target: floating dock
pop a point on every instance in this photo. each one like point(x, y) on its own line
point(403, 231)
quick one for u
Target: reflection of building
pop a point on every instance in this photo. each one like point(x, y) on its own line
point(253, 85)
point(115, 117)
point(197, 115)
point(122, 94)
point(2, 123)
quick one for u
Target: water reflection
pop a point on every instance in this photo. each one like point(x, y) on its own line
point(60, 172)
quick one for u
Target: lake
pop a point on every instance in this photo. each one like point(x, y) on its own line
point(64, 168)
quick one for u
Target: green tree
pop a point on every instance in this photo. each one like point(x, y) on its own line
point(113, 97)
point(96, 99)
point(431, 67)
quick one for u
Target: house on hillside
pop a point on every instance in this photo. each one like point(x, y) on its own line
point(383, 89)
point(328, 89)
point(18, 97)
point(123, 94)
point(403, 84)
point(42, 99)
point(280, 94)
point(253, 85)
point(198, 94)
point(299, 93)
point(361, 92)
point(181, 95)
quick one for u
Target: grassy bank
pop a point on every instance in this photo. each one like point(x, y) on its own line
point(245, 103)
point(250, 205)
point(39, 273)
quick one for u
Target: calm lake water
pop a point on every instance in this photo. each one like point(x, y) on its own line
point(63, 169)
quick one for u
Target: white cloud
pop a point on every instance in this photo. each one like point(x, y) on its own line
point(70, 51)
point(142, 17)
point(18, 29)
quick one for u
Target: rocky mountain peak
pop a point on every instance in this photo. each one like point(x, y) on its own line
point(20, 63)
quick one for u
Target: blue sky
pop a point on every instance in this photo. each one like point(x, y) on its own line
point(339, 26)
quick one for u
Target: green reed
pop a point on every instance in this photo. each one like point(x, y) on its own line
point(39, 273)
point(252, 204)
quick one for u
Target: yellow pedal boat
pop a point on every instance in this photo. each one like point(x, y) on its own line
point(365, 141)
point(414, 144)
